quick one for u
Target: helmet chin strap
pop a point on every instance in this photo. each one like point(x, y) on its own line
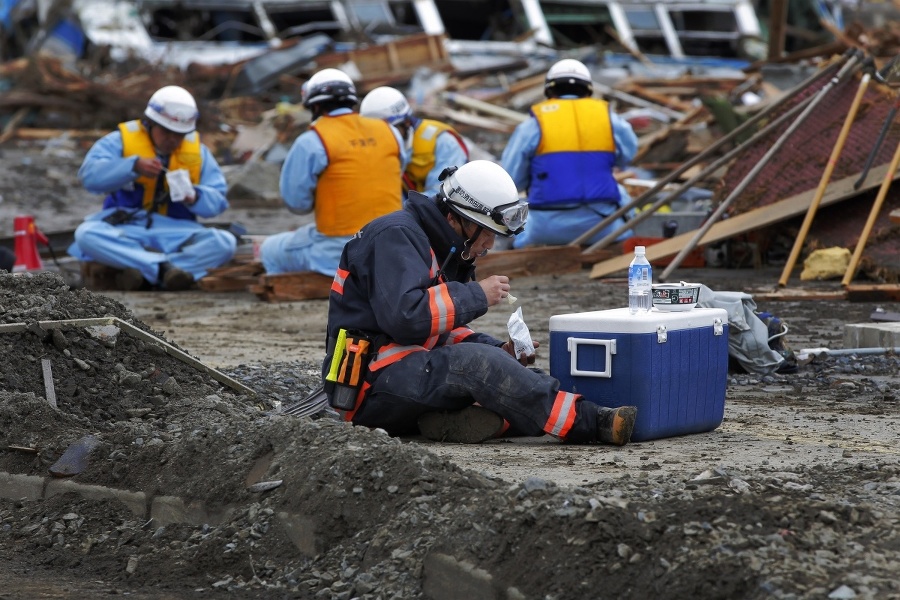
point(465, 254)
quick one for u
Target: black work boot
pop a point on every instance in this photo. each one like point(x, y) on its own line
point(129, 280)
point(471, 425)
point(174, 279)
point(614, 425)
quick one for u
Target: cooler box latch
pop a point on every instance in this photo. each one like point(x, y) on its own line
point(662, 336)
point(572, 345)
point(718, 327)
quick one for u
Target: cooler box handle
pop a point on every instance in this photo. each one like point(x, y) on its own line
point(572, 345)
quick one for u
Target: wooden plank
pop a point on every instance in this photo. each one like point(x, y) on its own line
point(758, 218)
point(878, 292)
point(537, 260)
point(402, 55)
point(292, 287)
point(212, 283)
point(796, 295)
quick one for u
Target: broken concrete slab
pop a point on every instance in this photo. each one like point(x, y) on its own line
point(872, 335)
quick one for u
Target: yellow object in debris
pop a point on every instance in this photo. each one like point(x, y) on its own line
point(828, 263)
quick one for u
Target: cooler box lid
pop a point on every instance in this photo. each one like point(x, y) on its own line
point(619, 320)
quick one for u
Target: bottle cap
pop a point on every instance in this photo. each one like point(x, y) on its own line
point(639, 250)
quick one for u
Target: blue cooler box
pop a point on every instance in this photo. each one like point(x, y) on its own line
point(672, 365)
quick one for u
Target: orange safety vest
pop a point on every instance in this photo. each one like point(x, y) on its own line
point(362, 179)
point(423, 160)
point(136, 141)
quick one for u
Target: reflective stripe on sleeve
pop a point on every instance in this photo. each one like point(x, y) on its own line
point(562, 415)
point(337, 286)
point(459, 334)
point(443, 312)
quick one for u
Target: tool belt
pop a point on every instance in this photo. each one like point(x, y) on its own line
point(350, 358)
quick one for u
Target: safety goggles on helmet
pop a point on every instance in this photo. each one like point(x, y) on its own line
point(512, 216)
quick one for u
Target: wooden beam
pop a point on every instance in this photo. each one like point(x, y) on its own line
point(878, 292)
point(292, 287)
point(777, 28)
point(755, 219)
point(537, 260)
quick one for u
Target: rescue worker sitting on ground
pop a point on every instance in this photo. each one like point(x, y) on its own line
point(435, 145)
point(564, 155)
point(152, 237)
point(346, 168)
point(405, 289)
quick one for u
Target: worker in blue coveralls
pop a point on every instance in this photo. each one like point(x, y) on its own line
point(435, 145)
point(564, 156)
point(346, 168)
point(400, 353)
point(158, 178)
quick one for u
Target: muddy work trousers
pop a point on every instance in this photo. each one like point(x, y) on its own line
point(453, 377)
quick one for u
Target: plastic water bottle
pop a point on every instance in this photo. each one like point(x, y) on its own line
point(640, 280)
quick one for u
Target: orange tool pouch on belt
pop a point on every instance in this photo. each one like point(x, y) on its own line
point(349, 365)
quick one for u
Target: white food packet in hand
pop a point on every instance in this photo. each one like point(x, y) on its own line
point(519, 334)
point(180, 186)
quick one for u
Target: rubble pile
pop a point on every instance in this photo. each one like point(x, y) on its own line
point(383, 517)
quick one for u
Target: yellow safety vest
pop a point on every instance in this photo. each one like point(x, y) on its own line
point(424, 143)
point(136, 141)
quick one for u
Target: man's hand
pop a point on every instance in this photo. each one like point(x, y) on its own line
point(523, 360)
point(496, 288)
point(148, 167)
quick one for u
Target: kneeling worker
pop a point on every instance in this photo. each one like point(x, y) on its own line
point(404, 295)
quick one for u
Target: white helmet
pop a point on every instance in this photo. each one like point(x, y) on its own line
point(329, 85)
point(568, 76)
point(385, 103)
point(174, 108)
point(484, 193)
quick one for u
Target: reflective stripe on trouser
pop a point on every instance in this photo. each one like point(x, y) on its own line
point(453, 377)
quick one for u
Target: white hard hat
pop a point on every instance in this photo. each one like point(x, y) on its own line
point(569, 73)
point(329, 85)
point(174, 108)
point(385, 103)
point(483, 192)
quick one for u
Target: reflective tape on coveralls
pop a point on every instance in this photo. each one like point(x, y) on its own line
point(562, 415)
point(459, 334)
point(391, 353)
point(443, 312)
point(340, 277)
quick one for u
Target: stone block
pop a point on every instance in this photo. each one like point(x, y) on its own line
point(872, 335)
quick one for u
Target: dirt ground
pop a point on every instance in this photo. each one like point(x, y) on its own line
point(794, 495)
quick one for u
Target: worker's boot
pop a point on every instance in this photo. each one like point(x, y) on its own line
point(174, 279)
point(129, 280)
point(470, 425)
point(614, 425)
